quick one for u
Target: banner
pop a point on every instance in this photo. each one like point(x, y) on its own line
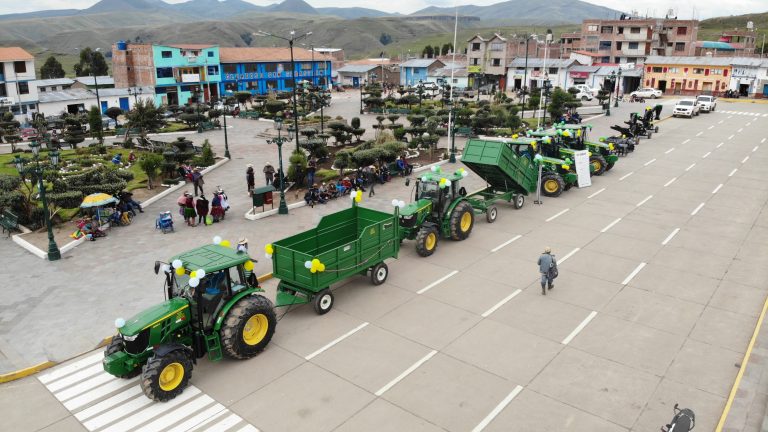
point(581, 159)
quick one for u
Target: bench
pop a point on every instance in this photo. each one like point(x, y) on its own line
point(9, 221)
point(206, 126)
point(253, 115)
point(464, 131)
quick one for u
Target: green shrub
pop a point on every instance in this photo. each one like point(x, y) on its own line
point(298, 167)
point(324, 175)
point(69, 199)
point(343, 160)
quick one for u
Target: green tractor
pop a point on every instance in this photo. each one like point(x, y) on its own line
point(558, 172)
point(440, 209)
point(575, 136)
point(554, 144)
point(213, 306)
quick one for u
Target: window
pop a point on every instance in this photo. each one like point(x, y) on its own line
point(553, 70)
point(166, 54)
point(250, 68)
point(606, 59)
point(3, 92)
point(210, 53)
point(230, 69)
point(698, 71)
point(496, 62)
point(605, 45)
point(455, 80)
point(160, 90)
point(306, 66)
point(657, 69)
point(165, 72)
point(592, 28)
point(681, 31)
point(186, 88)
point(634, 30)
point(592, 39)
point(620, 30)
point(679, 46)
point(213, 70)
point(716, 71)
point(633, 45)
point(321, 66)
point(20, 67)
point(618, 45)
point(23, 88)
point(673, 70)
point(497, 47)
point(606, 29)
point(475, 61)
point(251, 85)
point(475, 46)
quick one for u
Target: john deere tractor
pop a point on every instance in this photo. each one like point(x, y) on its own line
point(213, 306)
point(575, 136)
point(558, 172)
point(440, 209)
point(555, 143)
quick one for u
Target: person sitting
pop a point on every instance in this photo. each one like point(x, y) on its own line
point(324, 193)
point(359, 183)
point(118, 159)
point(333, 191)
point(131, 158)
point(132, 204)
point(312, 196)
point(403, 167)
point(347, 184)
point(384, 173)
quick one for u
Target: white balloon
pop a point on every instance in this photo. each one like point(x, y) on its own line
point(447, 182)
point(194, 282)
point(308, 264)
point(394, 203)
point(401, 204)
point(464, 173)
point(423, 178)
point(177, 263)
point(269, 256)
point(165, 268)
point(119, 323)
point(353, 194)
point(434, 169)
point(217, 240)
point(200, 273)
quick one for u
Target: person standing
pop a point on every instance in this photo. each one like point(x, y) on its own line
point(371, 177)
point(269, 173)
point(547, 268)
point(189, 209)
point(197, 180)
point(311, 168)
point(250, 178)
point(202, 209)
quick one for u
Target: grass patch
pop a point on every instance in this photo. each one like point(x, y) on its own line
point(175, 127)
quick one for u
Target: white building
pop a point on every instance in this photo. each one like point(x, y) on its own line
point(18, 94)
point(556, 71)
point(356, 74)
point(77, 100)
point(53, 84)
point(460, 77)
point(749, 76)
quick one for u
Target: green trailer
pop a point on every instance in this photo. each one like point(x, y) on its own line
point(346, 243)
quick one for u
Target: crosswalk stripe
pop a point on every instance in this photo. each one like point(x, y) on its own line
point(249, 428)
point(71, 368)
point(152, 411)
point(179, 414)
point(75, 377)
point(117, 413)
point(225, 424)
point(84, 386)
point(99, 392)
point(203, 418)
point(108, 403)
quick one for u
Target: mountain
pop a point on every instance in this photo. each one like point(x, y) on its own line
point(353, 12)
point(105, 6)
point(710, 29)
point(213, 9)
point(293, 6)
point(528, 12)
point(40, 14)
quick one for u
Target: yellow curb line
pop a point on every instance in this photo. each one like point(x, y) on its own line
point(743, 367)
point(22, 373)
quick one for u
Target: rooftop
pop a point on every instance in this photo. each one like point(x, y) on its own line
point(14, 54)
point(446, 72)
point(53, 82)
point(357, 68)
point(254, 54)
point(66, 95)
point(587, 53)
point(723, 46)
point(710, 61)
point(421, 63)
point(124, 91)
point(191, 46)
point(536, 62)
point(102, 80)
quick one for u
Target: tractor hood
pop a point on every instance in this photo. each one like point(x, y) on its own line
point(153, 315)
point(414, 207)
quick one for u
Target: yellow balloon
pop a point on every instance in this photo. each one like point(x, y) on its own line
point(225, 243)
point(180, 271)
point(313, 270)
point(248, 265)
point(515, 136)
point(269, 249)
point(321, 268)
point(315, 261)
point(192, 274)
point(358, 198)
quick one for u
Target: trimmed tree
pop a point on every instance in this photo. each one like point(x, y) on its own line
point(96, 125)
point(151, 163)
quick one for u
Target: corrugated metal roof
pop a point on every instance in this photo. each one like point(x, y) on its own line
point(66, 95)
point(536, 62)
point(580, 68)
point(446, 72)
point(421, 63)
point(356, 68)
point(723, 46)
point(14, 54)
point(708, 61)
point(53, 82)
point(124, 91)
point(102, 80)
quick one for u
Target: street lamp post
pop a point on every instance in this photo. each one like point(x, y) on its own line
point(53, 250)
point(135, 92)
point(618, 84)
point(452, 129)
point(363, 85)
point(525, 72)
point(224, 115)
point(283, 209)
point(612, 80)
point(547, 41)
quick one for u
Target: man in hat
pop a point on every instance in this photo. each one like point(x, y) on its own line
point(197, 180)
point(269, 173)
point(250, 178)
point(547, 264)
point(242, 245)
point(370, 177)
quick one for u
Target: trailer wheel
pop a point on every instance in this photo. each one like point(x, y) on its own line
point(379, 274)
point(598, 164)
point(323, 302)
point(165, 377)
point(116, 345)
point(519, 201)
point(491, 213)
point(248, 327)
point(552, 184)
point(426, 241)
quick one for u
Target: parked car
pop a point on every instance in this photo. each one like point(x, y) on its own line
point(584, 95)
point(429, 85)
point(687, 108)
point(706, 103)
point(584, 88)
point(647, 92)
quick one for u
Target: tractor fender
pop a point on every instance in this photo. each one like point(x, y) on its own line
point(168, 348)
point(236, 298)
point(453, 205)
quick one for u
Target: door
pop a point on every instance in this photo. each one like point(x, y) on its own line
point(678, 88)
point(744, 89)
point(124, 105)
point(663, 86)
point(518, 83)
point(706, 88)
point(173, 97)
point(104, 107)
point(765, 90)
point(355, 82)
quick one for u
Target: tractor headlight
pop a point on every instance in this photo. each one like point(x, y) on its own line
point(130, 338)
point(566, 167)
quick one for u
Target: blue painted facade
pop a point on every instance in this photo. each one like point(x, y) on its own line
point(184, 71)
point(412, 75)
point(263, 77)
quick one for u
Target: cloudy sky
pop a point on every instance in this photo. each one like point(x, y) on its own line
point(684, 8)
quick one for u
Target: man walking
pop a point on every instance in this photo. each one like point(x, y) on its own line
point(269, 173)
point(547, 268)
point(197, 181)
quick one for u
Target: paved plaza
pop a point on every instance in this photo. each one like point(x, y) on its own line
point(664, 263)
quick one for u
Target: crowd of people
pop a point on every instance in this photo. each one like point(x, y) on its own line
point(201, 211)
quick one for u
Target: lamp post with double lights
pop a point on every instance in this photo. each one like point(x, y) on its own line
point(448, 100)
point(225, 109)
point(547, 41)
point(53, 250)
point(283, 209)
point(612, 81)
point(135, 92)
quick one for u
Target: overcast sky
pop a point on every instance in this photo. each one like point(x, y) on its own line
point(684, 8)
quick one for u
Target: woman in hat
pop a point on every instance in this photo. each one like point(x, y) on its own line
point(242, 245)
point(189, 209)
point(250, 178)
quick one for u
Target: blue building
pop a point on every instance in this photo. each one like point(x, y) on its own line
point(265, 70)
point(415, 70)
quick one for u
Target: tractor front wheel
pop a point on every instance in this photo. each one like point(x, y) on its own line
point(116, 345)
point(462, 220)
point(552, 184)
point(426, 241)
point(379, 273)
point(165, 377)
point(598, 164)
point(249, 327)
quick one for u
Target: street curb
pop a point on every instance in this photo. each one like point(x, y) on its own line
point(752, 101)
point(23, 373)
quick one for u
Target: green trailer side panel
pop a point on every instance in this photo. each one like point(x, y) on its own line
point(500, 166)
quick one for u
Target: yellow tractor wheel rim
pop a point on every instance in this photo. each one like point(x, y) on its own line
point(551, 186)
point(171, 376)
point(466, 221)
point(596, 165)
point(430, 242)
point(255, 329)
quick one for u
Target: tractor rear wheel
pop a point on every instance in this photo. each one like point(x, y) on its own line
point(379, 273)
point(609, 166)
point(426, 241)
point(552, 184)
point(598, 164)
point(249, 327)
point(165, 377)
point(462, 220)
point(116, 345)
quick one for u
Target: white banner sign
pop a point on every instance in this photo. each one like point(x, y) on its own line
point(581, 159)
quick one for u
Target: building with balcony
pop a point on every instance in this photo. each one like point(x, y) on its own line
point(18, 92)
point(268, 70)
point(538, 70)
point(688, 75)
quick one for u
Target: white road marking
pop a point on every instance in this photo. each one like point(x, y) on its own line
point(699, 134)
point(690, 166)
point(119, 412)
point(730, 137)
point(500, 407)
point(670, 182)
point(669, 237)
point(634, 273)
point(626, 175)
point(730, 116)
point(696, 210)
point(762, 140)
point(720, 122)
point(225, 424)
point(579, 328)
point(570, 254)
point(745, 159)
point(686, 141)
point(108, 403)
point(714, 191)
point(596, 193)
point(177, 415)
point(711, 127)
point(719, 145)
point(733, 172)
point(71, 368)
point(644, 201)
point(747, 124)
point(437, 282)
point(551, 218)
point(740, 129)
point(754, 149)
point(97, 393)
point(405, 373)
point(202, 419)
point(84, 386)
point(152, 411)
point(493, 309)
point(649, 162)
point(75, 377)
point(669, 151)
point(706, 154)
point(497, 248)
point(765, 115)
point(249, 428)
point(335, 341)
point(607, 227)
